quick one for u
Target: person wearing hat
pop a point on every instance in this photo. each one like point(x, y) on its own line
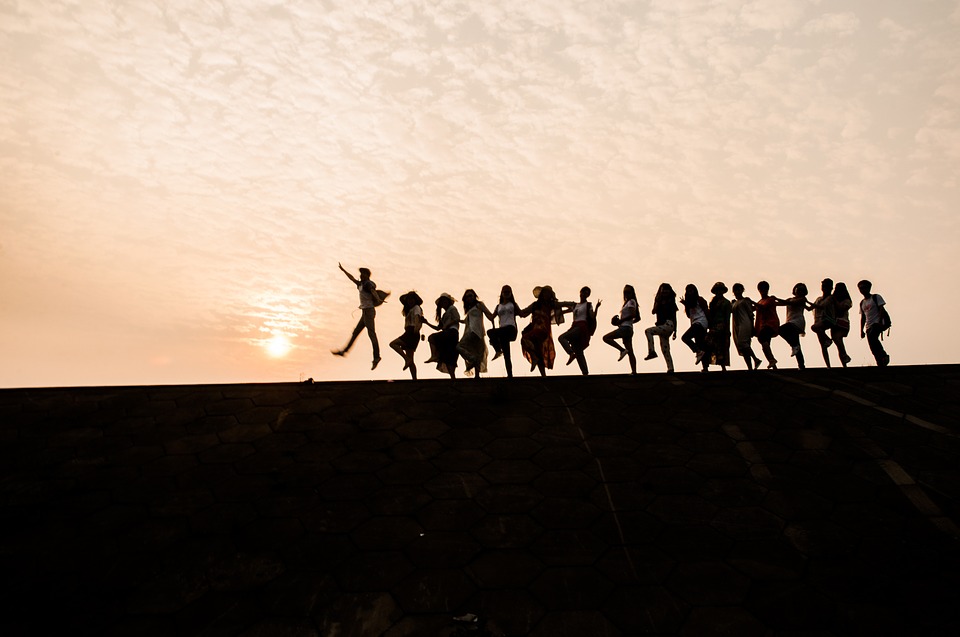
point(370, 298)
point(406, 344)
point(536, 340)
point(717, 347)
point(443, 344)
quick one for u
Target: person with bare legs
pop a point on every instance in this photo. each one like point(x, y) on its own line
point(406, 344)
point(695, 307)
point(824, 318)
point(841, 305)
point(767, 326)
point(629, 314)
point(370, 298)
point(443, 344)
point(665, 310)
point(472, 347)
point(743, 326)
point(793, 328)
point(575, 340)
point(505, 333)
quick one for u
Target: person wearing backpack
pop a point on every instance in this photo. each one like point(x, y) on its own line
point(575, 340)
point(370, 298)
point(665, 309)
point(874, 321)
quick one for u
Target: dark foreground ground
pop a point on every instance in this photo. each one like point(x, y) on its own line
point(763, 503)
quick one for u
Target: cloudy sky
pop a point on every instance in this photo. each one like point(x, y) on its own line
point(180, 178)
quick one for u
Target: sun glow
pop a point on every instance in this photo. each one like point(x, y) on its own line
point(278, 346)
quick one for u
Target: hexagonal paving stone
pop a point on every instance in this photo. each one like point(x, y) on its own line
point(683, 509)
point(565, 483)
point(407, 472)
point(423, 429)
point(509, 448)
point(513, 427)
point(373, 571)
point(461, 460)
point(359, 615)
point(565, 513)
point(443, 549)
point(507, 531)
point(386, 533)
point(371, 440)
point(643, 610)
point(455, 485)
point(510, 471)
point(572, 588)
point(449, 515)
point(508, 498)
point(569, 547)
point(748, 523)
point(504, 569)
point(561, 458)
point(708, 584)
point(511, 612)
point(722, 621)
point(434, 591)
point(575, 624)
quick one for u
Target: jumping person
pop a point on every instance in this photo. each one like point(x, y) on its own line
point(629, 314)
point(695, 307)
point(575, 340)
point(443, 344)
point(406, 344)
point(369, 299)
point(472, 347)
point(873, 321)
point(768, 322)
point(665, 310)
point(795, 325)
point(743, 326)
point(500, 337)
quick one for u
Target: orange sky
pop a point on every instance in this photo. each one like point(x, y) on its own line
point(180, 179)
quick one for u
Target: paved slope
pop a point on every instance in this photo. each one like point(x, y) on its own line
point(756, 503)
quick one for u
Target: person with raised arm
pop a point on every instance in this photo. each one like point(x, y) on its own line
point(575, 340)
point(743, 330)
point(536, 340)
point(370, 298)
point(768, 322)
point(629, 314)
point(443, 344)
point(505, 333)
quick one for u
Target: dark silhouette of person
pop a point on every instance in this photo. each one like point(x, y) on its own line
point(575, 340)
point(536, 340)
point(629, 314)
point(824, 318)
point(795, 325)
point(871, 321)
point(717, 342)
point(369, 299)
point(406, 344)
point(472, 347)
point(505, 333)
point(696, 308)
point(443, 344)
point(768, 322)
point(665, 310)
point(743, 326)
point(841, 305)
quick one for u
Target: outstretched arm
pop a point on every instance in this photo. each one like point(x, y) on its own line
point(349, 276)
point(486, 311)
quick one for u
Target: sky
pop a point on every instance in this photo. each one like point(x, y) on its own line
point(181, 178)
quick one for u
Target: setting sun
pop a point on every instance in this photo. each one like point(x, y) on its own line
point(278, 346)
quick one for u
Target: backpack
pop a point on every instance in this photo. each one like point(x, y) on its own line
point(885, 322)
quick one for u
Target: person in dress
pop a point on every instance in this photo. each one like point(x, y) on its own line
point(472, 347)
point(743, 326)
point(695, 307)
point(665, 310)
point(406, 344)
point(575, 340)
point(536, 340)
point(841, 307)
point(768, 322)
point(717, 345)
point(506, 313)
point(795, 325)
point(443, 344)
point(629, 314)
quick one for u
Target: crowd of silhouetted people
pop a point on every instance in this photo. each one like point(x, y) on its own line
point(712, 326)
